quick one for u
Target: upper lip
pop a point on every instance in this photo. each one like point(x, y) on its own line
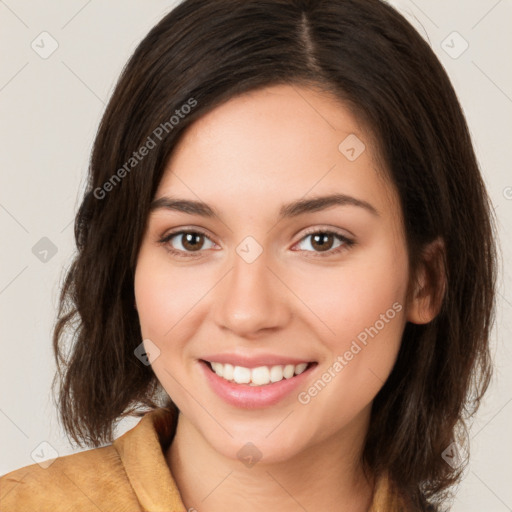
point(254, 361)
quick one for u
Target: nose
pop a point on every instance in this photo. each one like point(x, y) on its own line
point(252, 298)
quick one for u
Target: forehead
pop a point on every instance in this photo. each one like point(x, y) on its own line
point(273, 146)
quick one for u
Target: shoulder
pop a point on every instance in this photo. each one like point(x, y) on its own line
point(80, 481)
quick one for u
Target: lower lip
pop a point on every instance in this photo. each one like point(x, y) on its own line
point(251, 397)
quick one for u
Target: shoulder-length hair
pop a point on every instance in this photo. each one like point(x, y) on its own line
point(205, 52)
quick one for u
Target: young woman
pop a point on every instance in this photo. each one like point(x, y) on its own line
point(286, 255)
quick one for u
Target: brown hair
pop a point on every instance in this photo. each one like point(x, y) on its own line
point(205, 52)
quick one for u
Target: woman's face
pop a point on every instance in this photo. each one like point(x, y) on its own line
point(250, 286)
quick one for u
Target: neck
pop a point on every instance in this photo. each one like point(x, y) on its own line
point(325, 476)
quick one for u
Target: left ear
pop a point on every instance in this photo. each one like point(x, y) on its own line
point(429, 284)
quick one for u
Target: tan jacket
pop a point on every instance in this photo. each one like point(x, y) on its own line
point(129, 475)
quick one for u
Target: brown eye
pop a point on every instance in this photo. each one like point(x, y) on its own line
point(185, 243)
point(192, 241)
point(323, 242)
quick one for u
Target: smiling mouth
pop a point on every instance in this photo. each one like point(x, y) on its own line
point(259, 376)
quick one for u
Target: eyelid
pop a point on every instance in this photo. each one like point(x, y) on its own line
point(347, 241)
point(167, 237)
point(186, 229)
point(327, 229)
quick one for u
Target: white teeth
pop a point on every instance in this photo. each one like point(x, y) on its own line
point(242, 375)
point(289, 371)
point(260, 376)
point(226, 372)
point(276, 373)
point(300, 368)
point(217, 368)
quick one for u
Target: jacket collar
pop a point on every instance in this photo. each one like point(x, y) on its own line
point(142, 453)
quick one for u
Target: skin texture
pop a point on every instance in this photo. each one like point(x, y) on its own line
point(246, 158)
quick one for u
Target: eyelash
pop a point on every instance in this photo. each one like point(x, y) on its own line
point(347, 242)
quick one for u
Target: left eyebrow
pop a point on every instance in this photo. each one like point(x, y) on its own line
point(289, 210)
point(323, 202)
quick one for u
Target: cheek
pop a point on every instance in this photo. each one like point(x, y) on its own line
point(152, 295)
point(164, 295)
point(362, 303)
point(364, 307)
point(349, 299)
point(165, 298)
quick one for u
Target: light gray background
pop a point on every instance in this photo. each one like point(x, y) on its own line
point(50, 110)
